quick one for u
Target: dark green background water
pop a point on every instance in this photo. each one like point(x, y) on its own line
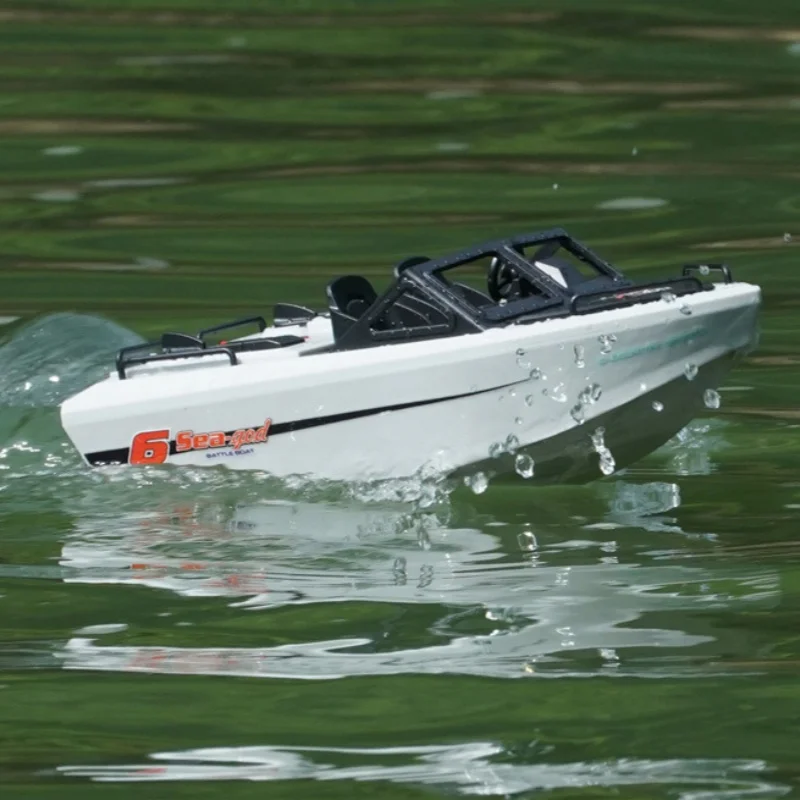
point(169, 164)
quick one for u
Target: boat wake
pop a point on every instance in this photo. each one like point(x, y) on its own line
point(56, 356)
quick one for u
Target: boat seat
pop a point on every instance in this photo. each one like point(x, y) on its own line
point(414, 311)
point(351, 294)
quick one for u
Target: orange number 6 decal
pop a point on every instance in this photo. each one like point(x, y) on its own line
point(150, 447)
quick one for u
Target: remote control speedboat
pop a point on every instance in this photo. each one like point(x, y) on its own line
point(528, 353)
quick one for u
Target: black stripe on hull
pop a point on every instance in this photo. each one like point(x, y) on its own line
point(120, 455)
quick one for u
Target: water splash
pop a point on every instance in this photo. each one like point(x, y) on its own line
point(56, 356)
point(693, 447)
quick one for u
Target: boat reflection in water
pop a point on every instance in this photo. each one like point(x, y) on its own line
point(504, 599)
point(473, 768)
point(496, 597)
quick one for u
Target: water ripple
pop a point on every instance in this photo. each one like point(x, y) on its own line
point(469, 769)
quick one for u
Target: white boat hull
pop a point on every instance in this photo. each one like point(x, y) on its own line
point(443, 404)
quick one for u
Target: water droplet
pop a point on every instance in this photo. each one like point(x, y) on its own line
point(607, 463)
point(558, 394)
point(585, 397)
point(642, 387)
point(577, 414)
point(657, 406)
point(705, 269)
point(520, 352)
point(54, 379)
point(28, 385)
point(668, 297)
point(523, 466)
point(495, 450)
point(502, 301)
point(686, 311)
point(690, 371)
point(555, 186)
point(787, 237)
point(529, 400)
point(607, 654)
point(478, 482)
point(518, 421)
point(526, 540)
point(635, 151)
point(711, 398)
point(606, 340)
point(535, 374)
point(512, 443)
point(597, 392)
point(522, 360)
point(579, 361)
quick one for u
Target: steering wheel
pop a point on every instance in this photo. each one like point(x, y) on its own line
point(502, 280)
point(505, 283)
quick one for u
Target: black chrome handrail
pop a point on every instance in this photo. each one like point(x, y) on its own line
point(638, 293)
point(262, 324)
point(123, 362)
